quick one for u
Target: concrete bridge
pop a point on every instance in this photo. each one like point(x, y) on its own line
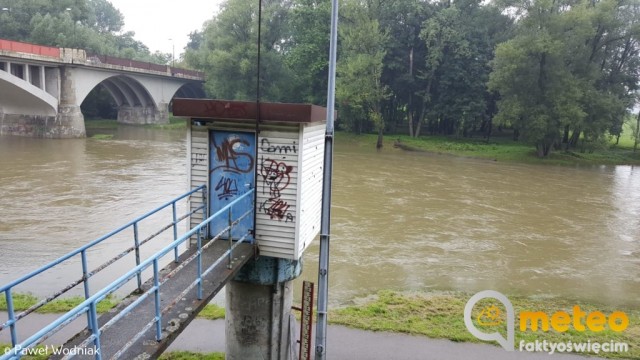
point(42, 88)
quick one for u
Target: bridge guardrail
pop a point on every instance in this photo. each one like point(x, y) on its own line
point(13, 318)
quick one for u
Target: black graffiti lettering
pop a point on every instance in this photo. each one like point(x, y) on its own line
point(266, 146)
point(277, 209)
point(226, 154)
point(228, 186)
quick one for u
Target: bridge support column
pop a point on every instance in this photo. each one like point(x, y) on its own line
point(69, 122)
point(258, 316)
point(140, 115)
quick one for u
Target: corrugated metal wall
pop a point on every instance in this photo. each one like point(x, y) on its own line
point(286, 209)
point(311, 178)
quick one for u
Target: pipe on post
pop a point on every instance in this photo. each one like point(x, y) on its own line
point(325, 226)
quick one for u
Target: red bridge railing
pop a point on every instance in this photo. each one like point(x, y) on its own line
point(55, 52)
point(29, 48)
point(112, 60)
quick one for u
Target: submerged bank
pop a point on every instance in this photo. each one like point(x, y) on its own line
point(498, 149)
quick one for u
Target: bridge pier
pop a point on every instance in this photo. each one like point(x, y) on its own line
point(69, 123)
point(258, 312)
point(140, 115)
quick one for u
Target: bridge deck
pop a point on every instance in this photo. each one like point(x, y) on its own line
point(175, 319)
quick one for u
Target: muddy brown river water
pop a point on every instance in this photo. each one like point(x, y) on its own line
point(401, 221)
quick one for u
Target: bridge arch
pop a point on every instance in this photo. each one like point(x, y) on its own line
point(125, 91)
point(190, 91)
point(140, 99)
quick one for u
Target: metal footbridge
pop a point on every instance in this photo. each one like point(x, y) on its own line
point(184, 276)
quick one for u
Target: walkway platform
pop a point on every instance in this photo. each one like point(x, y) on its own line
point(176, 314)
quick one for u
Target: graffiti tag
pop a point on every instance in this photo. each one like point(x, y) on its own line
point(233, 161)
point(228, 186)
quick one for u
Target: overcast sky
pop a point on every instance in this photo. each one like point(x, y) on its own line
point(157, 21)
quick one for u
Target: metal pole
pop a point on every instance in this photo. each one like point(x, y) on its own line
point(325, 226)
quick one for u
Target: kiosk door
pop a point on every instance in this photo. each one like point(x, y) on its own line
point(231, 174)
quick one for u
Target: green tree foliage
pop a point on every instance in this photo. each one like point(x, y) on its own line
point(228, 51)
point(359, 87)
point(570, 72)
point(561, 73)
point(93, 25)
point(308, 48)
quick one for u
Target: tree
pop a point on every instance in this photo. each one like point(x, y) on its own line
point(359, 71)
point(228, 53)
point(93, 25)
point(571, 70)
point(308, 49)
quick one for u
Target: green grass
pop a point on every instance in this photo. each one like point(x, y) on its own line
point(175, 123)
point(61, 305)
point(441, 316)
point(436, 315)
point(24, 301)
point(102, 136)
point(498, 149)
point(188, 355)
point(212, 312)
point(42, 349)
point(110, 124)
point(174, 355)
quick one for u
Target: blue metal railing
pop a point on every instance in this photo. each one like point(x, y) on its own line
point(89, 306)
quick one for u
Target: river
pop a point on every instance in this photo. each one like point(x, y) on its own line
point(401, 221)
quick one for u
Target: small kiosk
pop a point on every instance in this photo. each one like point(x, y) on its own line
point(278, 150)
point(281, 156)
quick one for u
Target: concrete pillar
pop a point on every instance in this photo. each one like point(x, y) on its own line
point(69, 121)
point(42, 77)
point(140, 115)
point(258, 316)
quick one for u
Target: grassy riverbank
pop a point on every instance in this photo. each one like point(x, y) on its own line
point(24, 301)
point(440, 315)
point(103, 128)
point(435, 315)
point(501, 149)
point(497, 149)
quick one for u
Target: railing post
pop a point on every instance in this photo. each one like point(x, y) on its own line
point(205, 207)
point(93, 325)
point(12, 317)
point(137, 244)
point(156, 284)
point(229, 266)
point(85, 280)
point(175, 231)
point(199, 265)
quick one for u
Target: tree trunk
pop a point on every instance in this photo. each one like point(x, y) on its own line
point(635, 142)
point(410, 115)
point(380, 138)
point(575, 136)
point(543, 149)
point(420, 120)
point(410, 107)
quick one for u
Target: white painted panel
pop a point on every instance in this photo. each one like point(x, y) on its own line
point(199, 169)
point(311, 176)
point(277, 187)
